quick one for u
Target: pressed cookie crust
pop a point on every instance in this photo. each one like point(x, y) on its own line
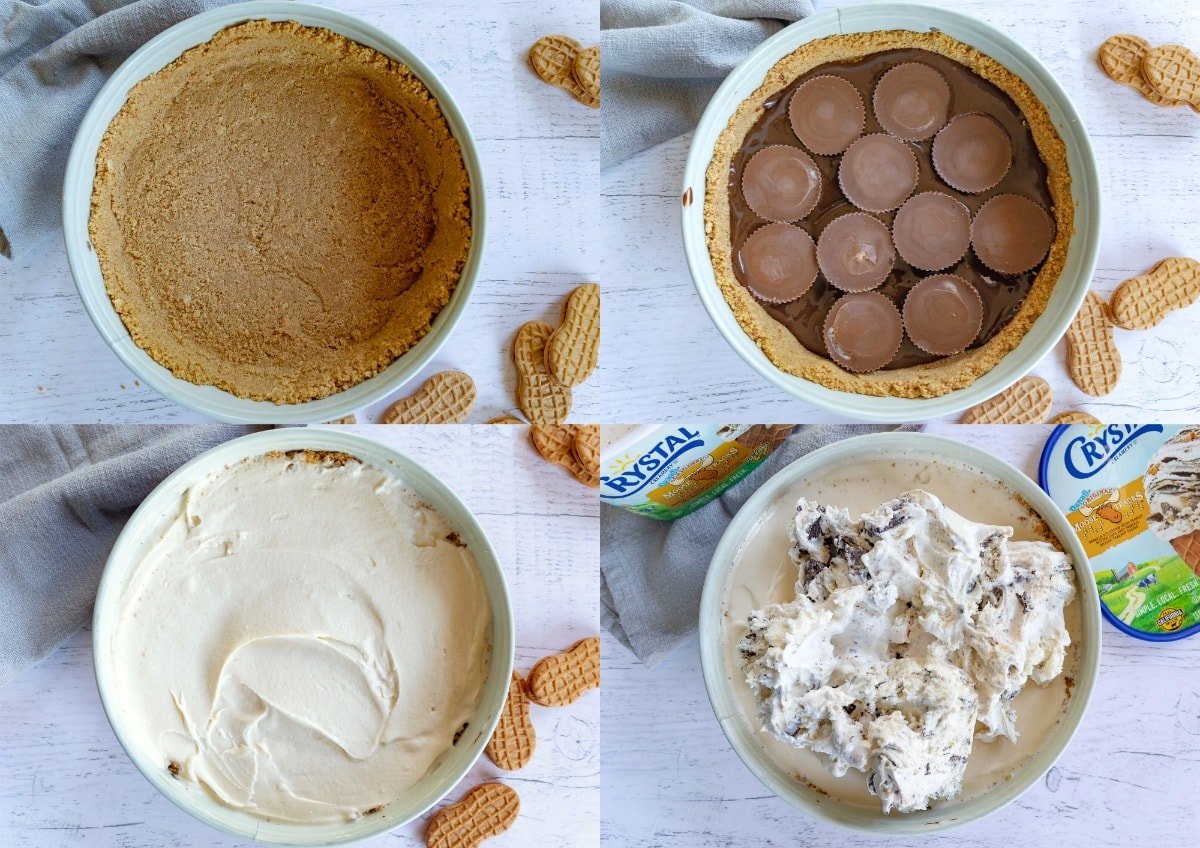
point(776, 341)
point(280, 212)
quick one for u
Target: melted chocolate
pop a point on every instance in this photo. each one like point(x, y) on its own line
point(1002, 296)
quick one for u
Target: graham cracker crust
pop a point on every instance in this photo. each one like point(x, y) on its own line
point(280, 213)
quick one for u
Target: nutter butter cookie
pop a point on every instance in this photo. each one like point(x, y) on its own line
point(946, 130)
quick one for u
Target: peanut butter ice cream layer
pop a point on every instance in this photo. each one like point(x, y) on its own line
point(280, 212)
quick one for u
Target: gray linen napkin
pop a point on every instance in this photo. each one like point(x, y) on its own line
point(65, 493)
point(652, 572)
point(54, 56)
point(663, 59)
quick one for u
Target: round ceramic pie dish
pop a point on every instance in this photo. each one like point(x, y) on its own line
point(748, 560)
point(82, 179)
point(781, 336)
point(145, 528)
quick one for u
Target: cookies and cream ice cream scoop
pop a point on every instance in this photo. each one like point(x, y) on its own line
point(911, 632)
point(1173, 490)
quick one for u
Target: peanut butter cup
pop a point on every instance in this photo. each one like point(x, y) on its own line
point(943, 314)
point(827, 114)
point(878, 172)
point(1011, 234)
point(855, 252)
point(932, 230)
point(781, 183)
point(912, 101)
point(863, 331)
point(779, 262)
point(972, 153)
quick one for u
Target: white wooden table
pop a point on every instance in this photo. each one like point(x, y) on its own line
point(539, 150)
point(1129, 777)
point(1147, 157)
point(65, 781)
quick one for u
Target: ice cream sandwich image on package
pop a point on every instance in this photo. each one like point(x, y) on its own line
point(1132, 495)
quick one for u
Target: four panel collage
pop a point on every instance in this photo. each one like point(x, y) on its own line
point(365, 473)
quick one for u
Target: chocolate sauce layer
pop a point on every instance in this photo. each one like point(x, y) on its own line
point(1002, 296)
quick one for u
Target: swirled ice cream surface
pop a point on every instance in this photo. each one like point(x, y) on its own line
point(911, 632)
point(304, 642)
point(1173, 486)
